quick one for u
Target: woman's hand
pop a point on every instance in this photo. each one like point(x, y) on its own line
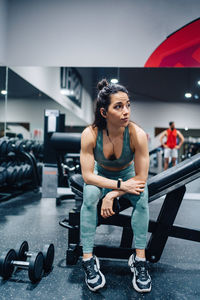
point(107, 205)
point(133, 186)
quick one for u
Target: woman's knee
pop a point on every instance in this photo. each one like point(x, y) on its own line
point(140, 201)
point(91, 195)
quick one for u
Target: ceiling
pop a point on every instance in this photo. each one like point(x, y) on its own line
point(18, 88)
point(146, 84)
point(159, 84)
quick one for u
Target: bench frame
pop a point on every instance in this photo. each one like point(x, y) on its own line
point(160, 230)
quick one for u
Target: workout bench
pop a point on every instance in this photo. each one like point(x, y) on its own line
point(170, 183)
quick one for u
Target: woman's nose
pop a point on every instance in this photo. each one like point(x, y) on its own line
point(125, 110)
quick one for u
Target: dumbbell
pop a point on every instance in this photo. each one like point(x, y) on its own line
point(22, 252)
point(8, 261)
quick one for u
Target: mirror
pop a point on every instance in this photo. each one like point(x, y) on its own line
point(32, 90)
point(158, 97)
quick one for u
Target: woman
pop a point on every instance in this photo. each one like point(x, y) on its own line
point(108, 149)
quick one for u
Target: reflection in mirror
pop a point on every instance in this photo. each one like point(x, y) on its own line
point(32, 90)
point(157, 98)
point(24, 111)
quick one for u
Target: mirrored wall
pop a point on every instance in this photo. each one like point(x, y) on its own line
point(26, 93)
point(157, 96)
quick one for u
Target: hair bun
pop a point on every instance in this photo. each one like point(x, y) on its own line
point(101, 84)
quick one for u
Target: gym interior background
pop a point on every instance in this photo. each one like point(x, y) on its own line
point(60, 38)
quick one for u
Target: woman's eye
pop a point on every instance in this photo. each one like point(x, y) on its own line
point(120, 106)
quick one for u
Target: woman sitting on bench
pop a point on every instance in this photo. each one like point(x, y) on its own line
point(114, 162)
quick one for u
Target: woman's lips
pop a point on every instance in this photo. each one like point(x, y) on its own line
point(125, 119)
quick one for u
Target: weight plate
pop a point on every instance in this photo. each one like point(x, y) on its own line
point(3, 147)
point(36, 265)
point(11, 175)
point(3, 175)
point(21, 249)
point(48, 253)
point(6, 267)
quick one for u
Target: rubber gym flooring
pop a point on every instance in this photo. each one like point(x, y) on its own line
point(28, 217)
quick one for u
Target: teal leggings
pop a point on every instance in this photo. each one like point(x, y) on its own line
point(91, 196)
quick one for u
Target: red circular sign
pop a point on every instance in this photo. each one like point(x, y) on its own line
point(180, 49)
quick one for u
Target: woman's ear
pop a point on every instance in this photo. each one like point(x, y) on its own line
point(103, 112)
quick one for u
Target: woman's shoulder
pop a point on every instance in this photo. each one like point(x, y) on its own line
point(136, 130)
point(89, 134)
point(90, 130)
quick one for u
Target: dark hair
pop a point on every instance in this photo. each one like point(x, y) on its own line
point(170, 123)
point(103, 100)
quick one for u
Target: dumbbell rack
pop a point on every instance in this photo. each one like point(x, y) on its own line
point(13, 189)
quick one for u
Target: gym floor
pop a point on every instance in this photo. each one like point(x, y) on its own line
point(28, 217)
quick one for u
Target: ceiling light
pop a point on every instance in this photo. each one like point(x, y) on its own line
point(3, 92)
point(188, 95)
point(114, 80)
point(63, 91)
point(196, 96)
point(198, 82)
point(67, 92)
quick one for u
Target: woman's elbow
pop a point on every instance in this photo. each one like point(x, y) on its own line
point(142, 177)
point(86, 178)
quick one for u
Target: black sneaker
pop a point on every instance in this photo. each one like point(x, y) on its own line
point(141, 278)
point(93, 276)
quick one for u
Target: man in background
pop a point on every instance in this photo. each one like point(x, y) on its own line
point(170, 146)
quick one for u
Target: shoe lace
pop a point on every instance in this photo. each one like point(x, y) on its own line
point(142, 269)
point(90, 271)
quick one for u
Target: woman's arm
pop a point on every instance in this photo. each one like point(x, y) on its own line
point(141, 158)
point(88, 142)
point(139, 145)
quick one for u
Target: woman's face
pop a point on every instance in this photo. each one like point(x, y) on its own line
point(118, 112)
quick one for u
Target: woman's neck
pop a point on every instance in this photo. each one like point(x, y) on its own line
point(114, 131)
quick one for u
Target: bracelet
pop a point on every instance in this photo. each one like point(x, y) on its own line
point(119, 183)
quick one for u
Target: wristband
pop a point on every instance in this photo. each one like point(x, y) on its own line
point(119, 183)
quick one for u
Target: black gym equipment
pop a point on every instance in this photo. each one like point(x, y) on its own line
point(8, 261)
point(16, 145)
point(58, 126)
point(20, 170)
point(22, 252)
point(68, 162)
point(170, 183)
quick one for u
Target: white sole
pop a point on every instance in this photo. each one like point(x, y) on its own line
point(134, 280)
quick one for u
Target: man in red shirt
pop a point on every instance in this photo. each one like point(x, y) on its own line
point(170, 146)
